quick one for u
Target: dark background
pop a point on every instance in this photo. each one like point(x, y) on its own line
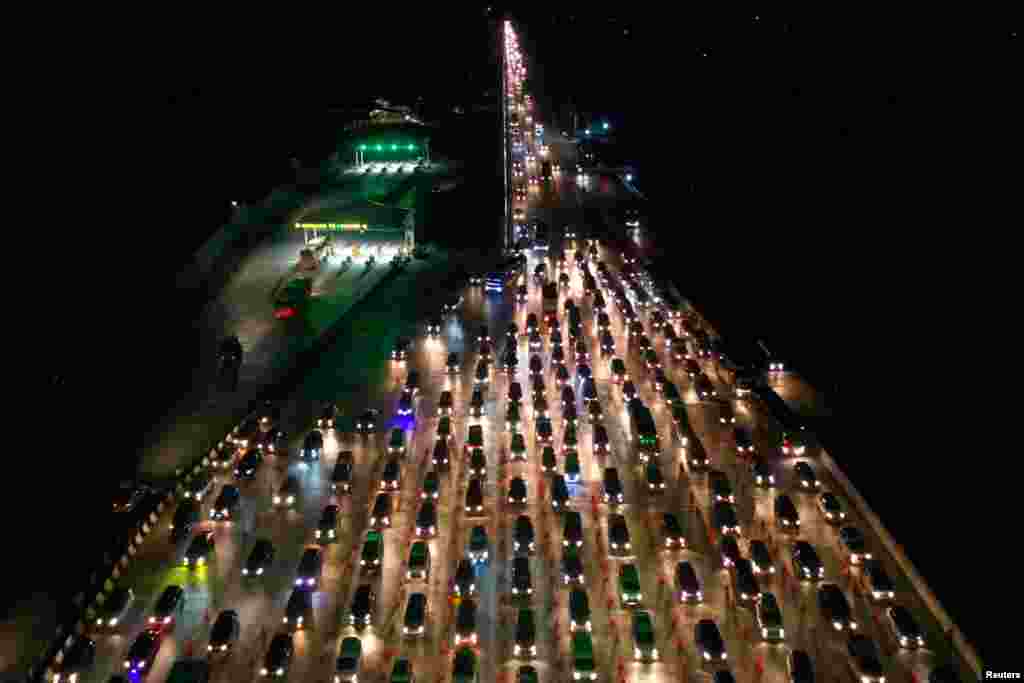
point(787, 160)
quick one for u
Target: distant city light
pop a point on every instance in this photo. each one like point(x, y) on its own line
point(606, 126)
point(234, 203)
point(629, 177)
point(587, 131)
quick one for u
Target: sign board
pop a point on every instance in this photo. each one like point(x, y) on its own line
point(343, 227)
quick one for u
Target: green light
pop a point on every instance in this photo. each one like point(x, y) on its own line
point(412, 147)
point(379, 148)
point(394, 147)
point(361, 147)
point(606, 126)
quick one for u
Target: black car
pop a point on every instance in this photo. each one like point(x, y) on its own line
point(613, 492)
point(559, 493)
point(526, 634)
point(806, 477)
point(523, 535)
point(113, 609)
point(852, 541)
point(786, 516)
point(572, 529)
point(799, 667)
point(880, 587)
point(618, 535)
point(341, 476)
point(572, 567)
point(279, 656)
point(248, 465)
point(475, 498)
point(522, 583)
point(709, 641)
point(476, 403)
point(478, 464)
point(761, 472)
point(835, 607)
point(200, 550)
point(380, 515)
point(579, 611)
point(688, 583)
point(326, 530)
point(544, 430)
point(426, 520)
point(363, 603)
point(415, 615)
point(724, 518)
point(401, 349)
point(405, 405)
point(261, 557)
point(864, 660)
point(655, 480)
point(746, 586)
point(730, 551)
point(224, 633)
point(452, 364)
point(517, 491)
point(310, 568)
point(562, 376)
point(391, 477)
point(904, 627)
point(298, 612)
point(464, 583)
point(760, 558)
point(806, 564)
point(172, 600)
point(538, 388)
point(143, 651)
point(721, 489)
point(288, 493)
point(515, 392)
point(628, 390)
point(226, 504)
point(186, 517)
point(367, 422)
point(465, 623)
point(77, 661)
point(672, 532)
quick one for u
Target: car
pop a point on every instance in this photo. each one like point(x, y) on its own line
point(537, 386)
point(510, 361)
point(688, 583)
point(77, 662)
point(452, 364)
point(396, 442)
point(579, 611)
point(245, 433)
point(569, 440)
point(557, 355)
point(786, 515)
point(745, 585)
point(342, 475)
point(418, 566)
point(326, 530)
point(562, 376)
point(414, 624)
point(482, 373)
point(588, 391)
point(544, 430)
point(559, 493)
point(477, 464)
point(726, 416)
point(636, 329)
point(705, 391)
point(580, 351)
point(476, 280)
point(729, 550)
point(644, 641)
point(224, 633)
point(572, 567)
point(185, 519)
point(655, 480)
point(380, 515)
point(522, 294)
point(563, 278)
point(628, 390)
point(517, 491)
point(349, 662)
point(851, 540)
point(400, 351)
point(373, 552)
point(618, 535)
point(536, 366)
point(604, 323)
point(249, 464)
point(761, 472)
point(405, 406)
point(596, 416)
point(799, 667)
point(607, 344)
point(113, 610)
point(364, 601)
point(475, 498)
point(279, 656)
point(805, 476)
point(477, 406)
point(806, 564)
point(793, 443)
point(651, 361)
point(864, 660)
point(391, 477)
point(440, 455)
point(583, 372)
point(367, 422)
point(697, 458)
point(200, 550)
point(138, 661)
point(298, 613)
point(904, 627)
point(512, 420)
point(721, 489)
point(744, 441)
point(312, 447)
point(172, 600)
point(465, 623)
point(831, 508)
point(260, 559)
point(288, 493)
point(878, 584)
point(629, 585)
point(452, 304)
point(725, 519)
point(523, 535)
point(200, 485)
point(659, 380)
point(613, 492)
point(522, 582)
point(745, 386)
point(518, 447)
point(769, 618)
point(464, 583)
point(412, 382)
point(709, 641)
point(464, 668)
point(760, 558)
point(555, 337)
point(222, 456)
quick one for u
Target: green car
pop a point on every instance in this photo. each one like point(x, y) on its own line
point(644, 647)
point(512, 420)
point(401, 672)
point(583, 665)
point(572, 466)
point(629, 585)
point(373, 552)
point(444, 428)
point(518, 447)
point(547, 460)
point(464, 669)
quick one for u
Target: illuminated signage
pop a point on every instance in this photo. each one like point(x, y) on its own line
point(331, 226)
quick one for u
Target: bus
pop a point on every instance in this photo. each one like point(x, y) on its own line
point(643, 429)
point(583, 665)
point(292, 298)
point(550, 301)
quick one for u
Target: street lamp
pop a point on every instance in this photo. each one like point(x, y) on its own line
point(234, 203)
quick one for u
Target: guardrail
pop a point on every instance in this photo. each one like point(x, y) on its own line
point(783, 414)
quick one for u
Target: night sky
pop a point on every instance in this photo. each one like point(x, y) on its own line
point(778, 151)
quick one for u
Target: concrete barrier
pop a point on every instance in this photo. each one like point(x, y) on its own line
point(963, 648)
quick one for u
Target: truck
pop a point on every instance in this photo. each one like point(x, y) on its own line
point(292, 298)
point(550, 301)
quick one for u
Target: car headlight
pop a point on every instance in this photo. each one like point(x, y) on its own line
point(280, 671)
